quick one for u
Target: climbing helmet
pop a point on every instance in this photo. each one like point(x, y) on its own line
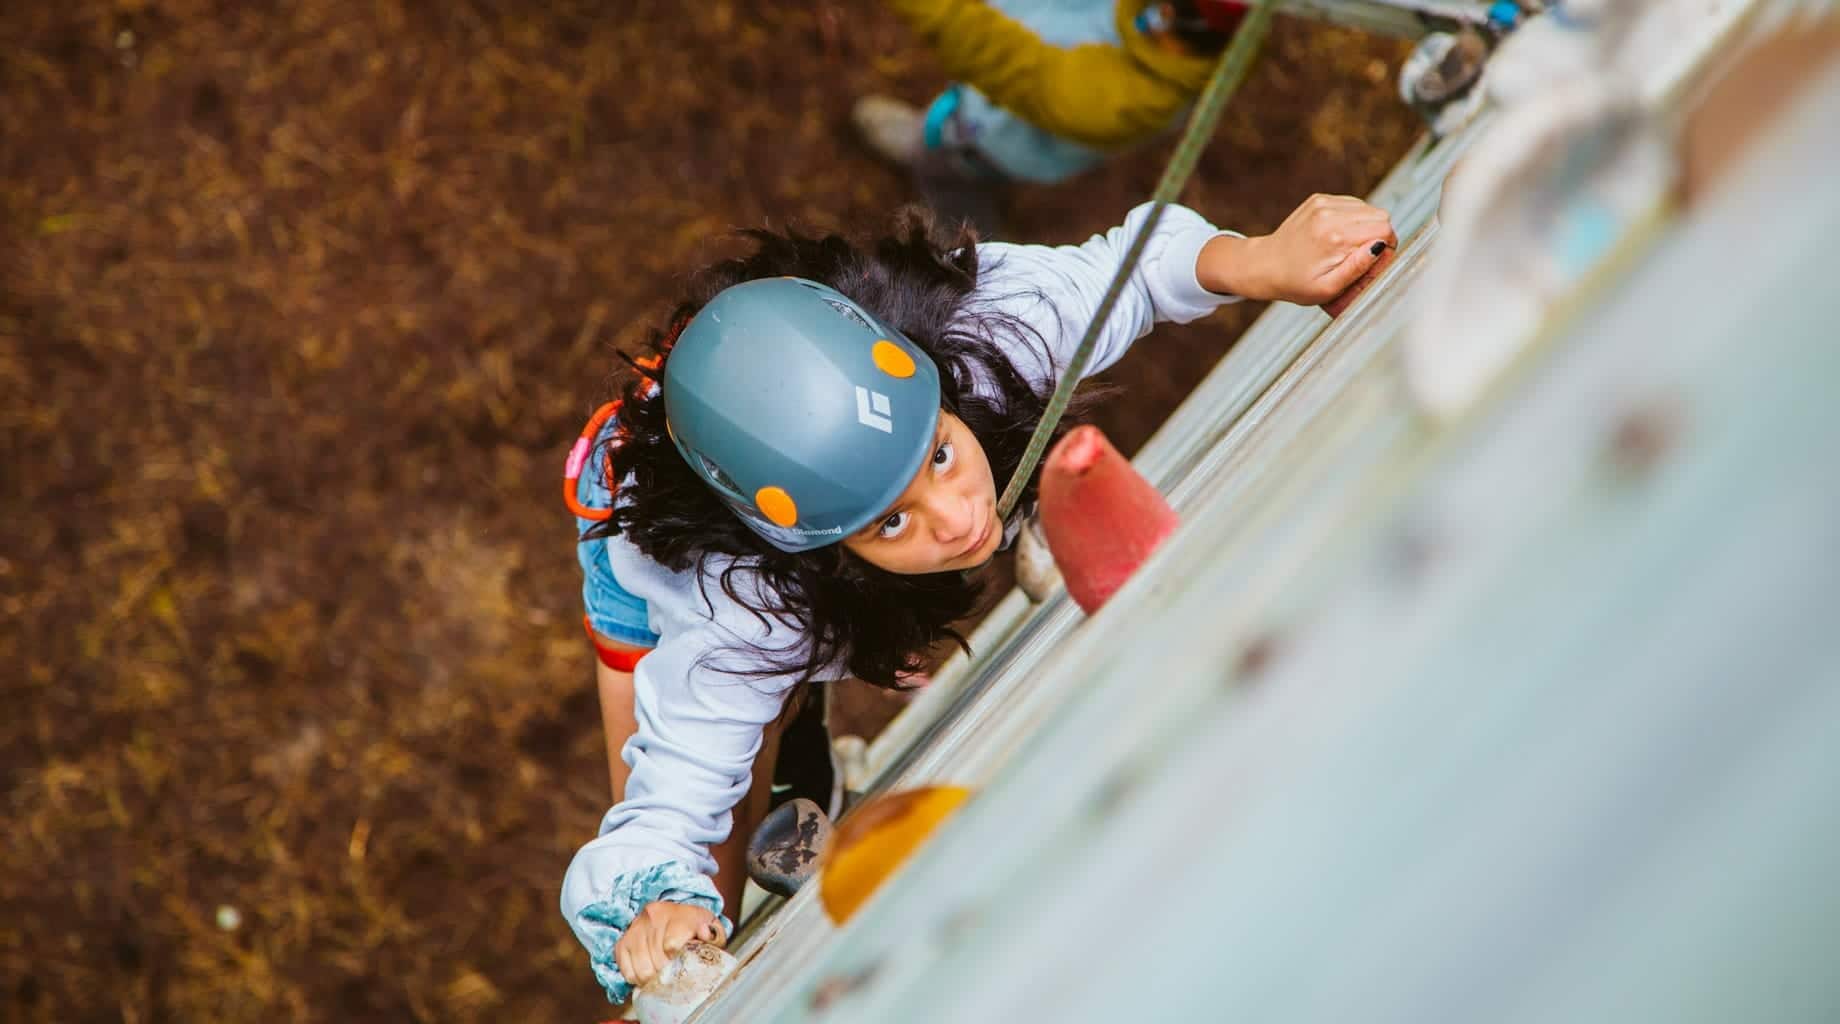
point(802, 410)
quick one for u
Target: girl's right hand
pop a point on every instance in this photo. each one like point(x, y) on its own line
point(660, 932)
point(1324, 246)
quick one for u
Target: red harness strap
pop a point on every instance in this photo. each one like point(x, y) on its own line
point(620, 659)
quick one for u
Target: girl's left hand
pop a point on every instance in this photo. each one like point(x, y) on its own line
point(1324, 246)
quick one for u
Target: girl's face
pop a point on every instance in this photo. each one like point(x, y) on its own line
point(947, 517)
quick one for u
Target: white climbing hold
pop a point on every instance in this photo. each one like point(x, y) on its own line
point(1036, 572)
point(684, 983)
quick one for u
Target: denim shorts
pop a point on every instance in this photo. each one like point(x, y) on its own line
point(613, 612)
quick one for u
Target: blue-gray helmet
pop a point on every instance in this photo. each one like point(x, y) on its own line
point(805, 413)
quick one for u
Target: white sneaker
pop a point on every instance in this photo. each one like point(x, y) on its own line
point(893, 128)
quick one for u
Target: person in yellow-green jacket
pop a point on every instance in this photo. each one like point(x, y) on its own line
point(1045, 89)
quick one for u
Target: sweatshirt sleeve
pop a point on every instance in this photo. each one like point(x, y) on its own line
point(1056, 290)
point(1093, 94)
point(692, 759)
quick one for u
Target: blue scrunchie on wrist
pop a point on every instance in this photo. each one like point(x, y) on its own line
point(599, 925)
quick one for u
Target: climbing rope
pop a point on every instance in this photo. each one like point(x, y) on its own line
point(1235, 61)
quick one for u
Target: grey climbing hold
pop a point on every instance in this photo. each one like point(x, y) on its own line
point(783, 854)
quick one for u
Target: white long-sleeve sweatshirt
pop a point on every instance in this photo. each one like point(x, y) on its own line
point(700, 726)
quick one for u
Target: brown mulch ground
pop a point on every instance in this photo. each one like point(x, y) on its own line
point(300, 307)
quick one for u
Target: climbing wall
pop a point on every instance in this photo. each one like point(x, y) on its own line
point(1508, 705)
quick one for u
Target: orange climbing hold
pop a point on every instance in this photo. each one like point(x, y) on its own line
point(1101, 518)
point(874, 840)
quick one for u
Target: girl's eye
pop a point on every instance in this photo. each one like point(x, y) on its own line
point(894, 526)
point(943, 457)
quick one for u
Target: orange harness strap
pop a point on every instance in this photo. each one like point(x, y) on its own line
point(578, 458)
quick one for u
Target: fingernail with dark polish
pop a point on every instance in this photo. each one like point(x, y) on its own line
point(1378, 248)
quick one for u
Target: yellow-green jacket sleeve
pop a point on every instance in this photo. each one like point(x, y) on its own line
point(1094, 94)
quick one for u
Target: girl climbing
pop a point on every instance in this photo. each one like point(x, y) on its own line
point(792, 487)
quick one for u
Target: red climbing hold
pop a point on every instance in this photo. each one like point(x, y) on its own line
point(1101, 518)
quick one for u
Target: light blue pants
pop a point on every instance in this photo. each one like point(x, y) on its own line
point(964, 120)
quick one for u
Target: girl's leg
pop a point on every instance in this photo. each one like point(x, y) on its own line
point(619, 721)
point(953, 181)
point(619, 718)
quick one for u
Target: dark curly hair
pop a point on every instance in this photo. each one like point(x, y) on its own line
point(875, 623)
